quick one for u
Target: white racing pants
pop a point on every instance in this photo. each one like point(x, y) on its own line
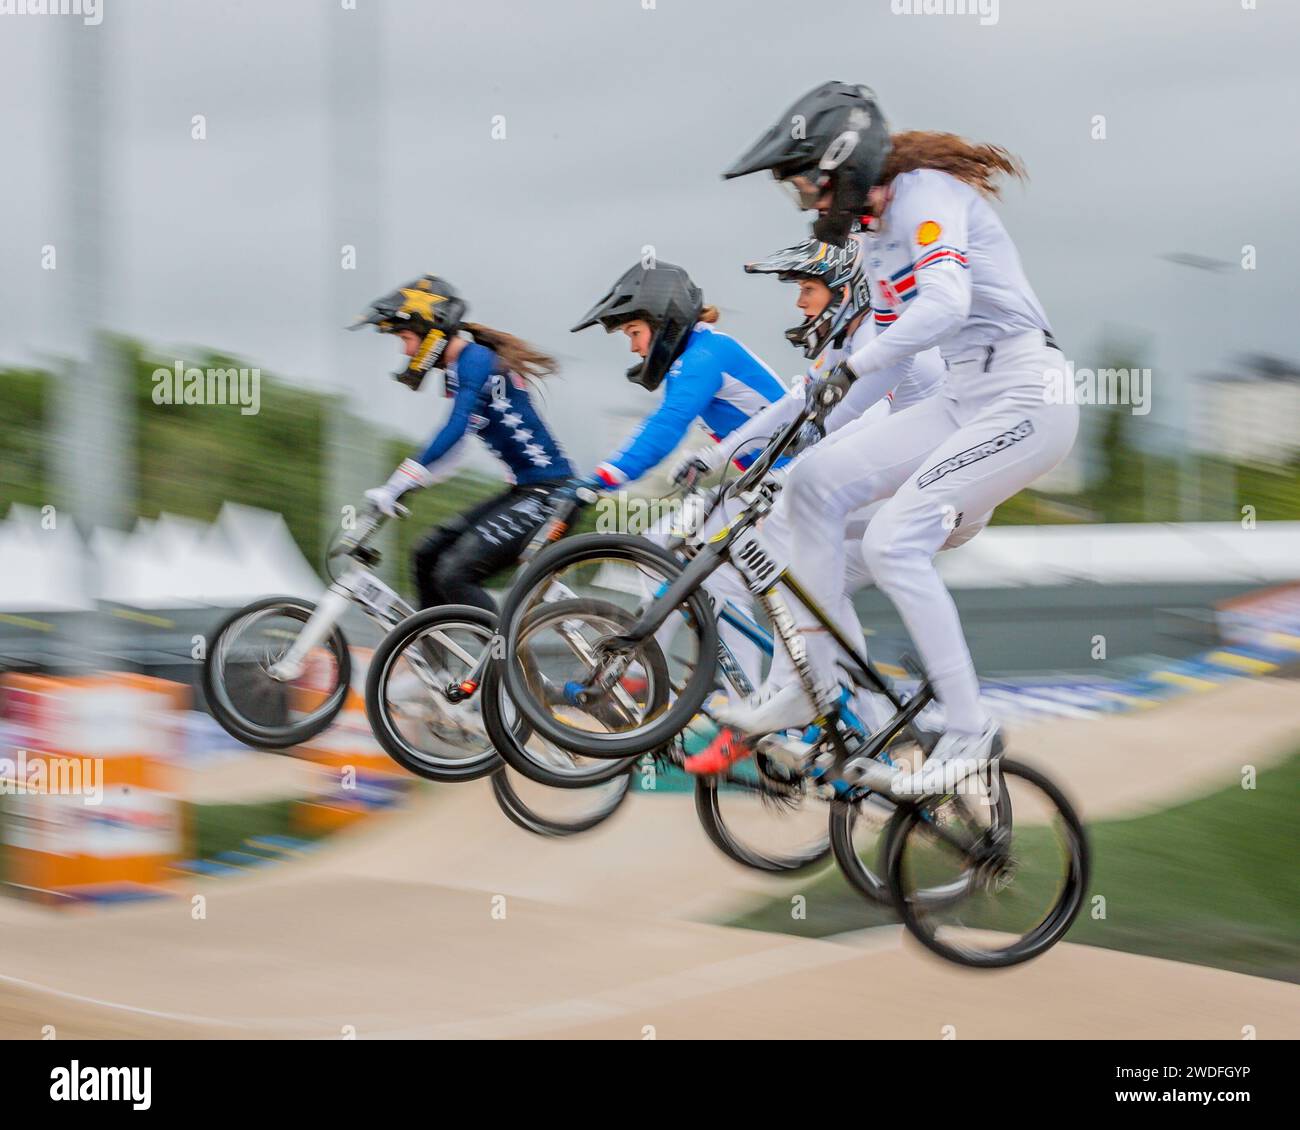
point(932, 475)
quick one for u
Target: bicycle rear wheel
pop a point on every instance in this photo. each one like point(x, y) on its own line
point(859, 836)
point(1016, 885)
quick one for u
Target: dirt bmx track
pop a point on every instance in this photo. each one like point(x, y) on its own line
point(391, 931)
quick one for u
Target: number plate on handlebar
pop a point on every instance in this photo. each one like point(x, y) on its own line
point(373, 594)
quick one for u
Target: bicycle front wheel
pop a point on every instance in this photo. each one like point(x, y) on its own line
point(551, 812)
point(764, 815)
point(531, 755)
point(569, 666)
point(256, 708)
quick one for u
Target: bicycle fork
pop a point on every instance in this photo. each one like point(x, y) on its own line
point(329, 610)
point(826, 701)
point(376, 599)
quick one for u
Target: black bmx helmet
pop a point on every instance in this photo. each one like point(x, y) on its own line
point(661, 293)
point(840, 268)
point(431, 308)
point(834, 137)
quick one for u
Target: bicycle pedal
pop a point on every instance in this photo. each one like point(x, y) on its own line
point(790, 752)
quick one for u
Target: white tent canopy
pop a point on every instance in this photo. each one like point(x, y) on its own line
point(245, 554)
point(42, 569)
point(170, 562)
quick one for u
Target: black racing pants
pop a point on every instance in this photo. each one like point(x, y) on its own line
point(452, 563)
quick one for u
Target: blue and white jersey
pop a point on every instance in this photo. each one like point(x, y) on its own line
point(715, 380)
point(495, 406)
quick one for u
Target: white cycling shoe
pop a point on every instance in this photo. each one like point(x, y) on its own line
point(786, 709)
point(789, 709)
point(954, 758)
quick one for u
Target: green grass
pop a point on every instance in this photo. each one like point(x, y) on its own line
point(215, 828)
point(1212, 882)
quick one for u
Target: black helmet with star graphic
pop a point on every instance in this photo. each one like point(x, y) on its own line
point(429, 307)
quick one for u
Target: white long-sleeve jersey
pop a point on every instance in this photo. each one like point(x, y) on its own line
point(943, 272)
point(907, 382)
point(910, 380)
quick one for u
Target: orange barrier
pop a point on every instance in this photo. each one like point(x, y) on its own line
point(357, 777)
point(90, 804)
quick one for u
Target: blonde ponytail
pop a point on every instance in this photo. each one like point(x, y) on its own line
point(516, 355)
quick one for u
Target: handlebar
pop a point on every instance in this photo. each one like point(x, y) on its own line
point(357, 545)
point(768, 457)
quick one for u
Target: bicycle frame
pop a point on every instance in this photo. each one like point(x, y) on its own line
point(357, 586)
point(764, 579)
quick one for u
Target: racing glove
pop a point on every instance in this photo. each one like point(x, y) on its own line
point(583, 491)
point(411, 475)
point(697, 463)
point(824, 394)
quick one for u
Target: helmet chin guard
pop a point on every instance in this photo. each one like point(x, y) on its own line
point(426, 358)
point(428, 306)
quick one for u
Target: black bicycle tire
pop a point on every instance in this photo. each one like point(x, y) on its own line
point(662, 730)
point(377, 715)
point(1054, 927)
point(266, 738)
point(522, 815)
point(709, 814)
point(514, 752)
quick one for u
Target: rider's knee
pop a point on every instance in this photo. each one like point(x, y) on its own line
point(809, 492)
point(458, 564)
point(884, 550)
point(962, 531)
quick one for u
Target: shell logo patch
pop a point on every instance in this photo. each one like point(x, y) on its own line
point(927, 233)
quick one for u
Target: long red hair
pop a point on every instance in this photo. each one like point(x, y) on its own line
point(980, 166)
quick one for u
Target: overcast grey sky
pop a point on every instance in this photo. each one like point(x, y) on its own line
point(618, 120)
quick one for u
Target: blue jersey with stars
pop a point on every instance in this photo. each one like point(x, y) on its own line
point(495, 406)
